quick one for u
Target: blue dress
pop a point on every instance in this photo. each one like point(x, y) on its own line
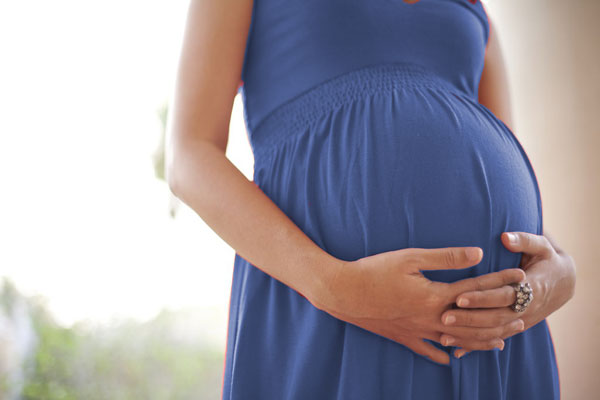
point(364, 121)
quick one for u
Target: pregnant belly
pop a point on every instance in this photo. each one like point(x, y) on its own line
point(414, 167)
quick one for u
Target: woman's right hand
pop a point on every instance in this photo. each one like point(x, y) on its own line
point(387, 294)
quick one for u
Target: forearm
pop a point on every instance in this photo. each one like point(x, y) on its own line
point(248, 220)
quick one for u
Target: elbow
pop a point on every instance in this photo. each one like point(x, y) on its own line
point(173, 162)
point(170, 171)
point(173, 176)
point(186, 161)
point(171, 181)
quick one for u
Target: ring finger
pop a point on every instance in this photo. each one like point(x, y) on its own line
point(481, 318)
point(469, 337)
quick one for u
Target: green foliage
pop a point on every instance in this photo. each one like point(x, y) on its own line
point(158, 157)
point(50, 375)
point(158, 359)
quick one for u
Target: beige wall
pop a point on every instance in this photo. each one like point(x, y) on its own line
point(552, 53)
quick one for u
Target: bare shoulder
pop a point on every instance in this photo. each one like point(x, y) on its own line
point(209, 69)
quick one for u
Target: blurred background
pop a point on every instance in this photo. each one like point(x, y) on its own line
point(110, 288)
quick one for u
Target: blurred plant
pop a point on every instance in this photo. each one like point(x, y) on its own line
point(17, 340)
point(158, 158)
point(164, 358)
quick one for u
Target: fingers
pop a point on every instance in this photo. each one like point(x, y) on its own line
point(478, 318)
point(492, 298)
point(527, 243)
point(458, 352)
point(443, 258)
point(485, 282)
point(481, 338)
point(428, 350)
point(475, 344)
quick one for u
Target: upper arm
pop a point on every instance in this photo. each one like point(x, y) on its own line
point(494, 92)
point(209, 71)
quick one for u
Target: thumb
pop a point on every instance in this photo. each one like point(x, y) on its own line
point(527, 243)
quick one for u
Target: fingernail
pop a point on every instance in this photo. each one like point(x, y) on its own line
point(472, 253)
point(512, 238)
point(460, 353)
point(450, 319)
point(463, 302)
point(449, 340)
point(500, 345)
point(520, 325)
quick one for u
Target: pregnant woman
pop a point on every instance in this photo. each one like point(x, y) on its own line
point(384, 192)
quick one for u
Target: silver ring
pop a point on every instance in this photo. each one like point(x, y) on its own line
point(524, 296)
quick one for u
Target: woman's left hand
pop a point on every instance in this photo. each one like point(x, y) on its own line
point(551, 274)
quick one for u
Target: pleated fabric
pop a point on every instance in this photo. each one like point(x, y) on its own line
point(367, 132)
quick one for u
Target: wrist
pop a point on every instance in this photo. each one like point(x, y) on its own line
point(322, 291)
point(571, 276)
point(563, 284)
point(542, 290)
point(553, 286)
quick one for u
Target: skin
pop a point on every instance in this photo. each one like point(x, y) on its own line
point(549, 269)
point(550, 272)
point(385, 293)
